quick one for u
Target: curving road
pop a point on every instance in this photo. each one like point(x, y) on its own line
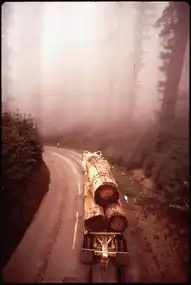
point(49, 251)
point(50, 248)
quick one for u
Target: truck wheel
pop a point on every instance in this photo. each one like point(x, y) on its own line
point(87, 257)
point(87, 242)
point(121, 243)
point(120, 258)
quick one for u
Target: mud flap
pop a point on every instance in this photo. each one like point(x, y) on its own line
point(121, 259)
point(87, 257)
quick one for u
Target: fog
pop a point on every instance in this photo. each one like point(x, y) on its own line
point(72, 63)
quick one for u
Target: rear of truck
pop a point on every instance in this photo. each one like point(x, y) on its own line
point(104, 246)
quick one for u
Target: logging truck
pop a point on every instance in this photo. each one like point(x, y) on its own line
point(104, 217)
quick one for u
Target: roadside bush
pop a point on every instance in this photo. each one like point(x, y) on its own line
point(21, 152)
point(166, 157)
point(25, 178)
point(162, 153)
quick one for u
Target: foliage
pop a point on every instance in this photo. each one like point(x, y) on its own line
point(163, 154)
point(21, 150)
point(25, 178)
point(174, 27)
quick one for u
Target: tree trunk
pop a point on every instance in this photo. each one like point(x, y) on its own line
point(137, 58)
point(175, 64)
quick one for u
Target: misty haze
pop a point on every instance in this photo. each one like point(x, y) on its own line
point(96, 76)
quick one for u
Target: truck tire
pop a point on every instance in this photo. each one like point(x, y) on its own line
point(120, 258)
point(87, 257)
point(87, 241)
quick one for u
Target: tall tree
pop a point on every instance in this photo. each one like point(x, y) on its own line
point(7, 53)
point(111, 40)
point(31, 56)
point(174, 24)
point(145, 11)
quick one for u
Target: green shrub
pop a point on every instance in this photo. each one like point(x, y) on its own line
point(21, 150)
point(166, 160)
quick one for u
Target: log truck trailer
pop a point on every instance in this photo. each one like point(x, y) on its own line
point(104, 246)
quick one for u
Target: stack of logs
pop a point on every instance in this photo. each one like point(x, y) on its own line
point(102, 207)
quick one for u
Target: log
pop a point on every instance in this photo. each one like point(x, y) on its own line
point(115, 217)
point(106, 194)
point(102, 183)
point(94, 220)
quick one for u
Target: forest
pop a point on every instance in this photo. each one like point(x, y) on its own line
point(100, 94)
point(160, 147)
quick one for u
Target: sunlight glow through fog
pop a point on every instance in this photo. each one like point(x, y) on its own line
point(79, 58)
point(78, 28)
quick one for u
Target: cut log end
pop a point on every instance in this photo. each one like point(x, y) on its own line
point(117, 223)
point(95, 224)
point(116, 218)
point(93, 215)
point(106, 194)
